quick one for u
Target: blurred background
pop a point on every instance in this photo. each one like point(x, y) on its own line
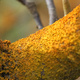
point(16, 21)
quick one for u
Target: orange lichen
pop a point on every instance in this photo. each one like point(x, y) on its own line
point(4, 58)
point(52, 53)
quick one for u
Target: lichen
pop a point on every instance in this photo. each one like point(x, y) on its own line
point(4, 59)
point(52, 53)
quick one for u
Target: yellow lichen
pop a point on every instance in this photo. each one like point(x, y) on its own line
point(52, 53)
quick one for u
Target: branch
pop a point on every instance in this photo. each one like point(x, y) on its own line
point(52, 11)
point(66, 7)
point(52, 53)
point(22, 1)
point(32, 8)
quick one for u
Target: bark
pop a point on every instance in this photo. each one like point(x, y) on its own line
point(52, 11)
point(66, 7)
point(33, 10)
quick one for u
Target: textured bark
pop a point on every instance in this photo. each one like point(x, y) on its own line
point(52, 11)
point(66, 7)
point(32, 8)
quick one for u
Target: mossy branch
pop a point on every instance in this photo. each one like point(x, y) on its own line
point(52, 53)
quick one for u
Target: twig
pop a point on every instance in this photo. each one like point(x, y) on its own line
point(66, 7)
point(32, 8)
point(52, 11)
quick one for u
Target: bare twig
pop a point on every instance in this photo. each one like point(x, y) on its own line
point(66, 7)
point(22, 1)
point(32, 8)
point(52, 11)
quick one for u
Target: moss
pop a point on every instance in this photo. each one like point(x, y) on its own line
point(52, 53)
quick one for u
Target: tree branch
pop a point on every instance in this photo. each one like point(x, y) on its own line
point(32, 8)
point(52, 11)
point(52, 53)
point(66, 7)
